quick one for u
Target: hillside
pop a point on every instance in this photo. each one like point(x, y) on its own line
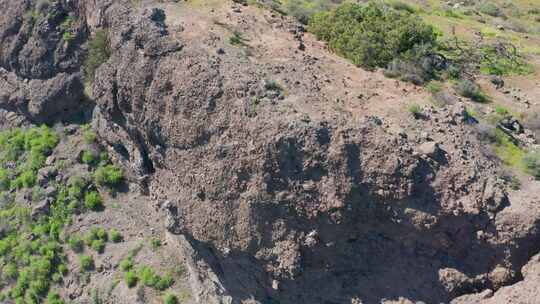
point(211, 151)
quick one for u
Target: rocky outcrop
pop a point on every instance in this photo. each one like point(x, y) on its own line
point(41, 58)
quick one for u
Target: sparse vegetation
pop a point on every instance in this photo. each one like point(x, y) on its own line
point(532, 163)
point(170, 299)
point(87, 263)
point(415, 110)
point(93, 201)
point(115, 236)
point(131, 278)
point(155, 243)
point(237, 39)
point(108, 175)
point(469, 89)
point(99, 51)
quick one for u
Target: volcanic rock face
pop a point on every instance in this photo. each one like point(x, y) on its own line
point(276, 205)
point(40, 59)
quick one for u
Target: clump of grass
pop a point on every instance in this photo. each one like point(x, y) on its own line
point(115, 236)
point(415, 110)
point(76, 243)
point(86, 262)
point(131, 278)
point(155, 243)
point(93, 201)
point(99, 51)
point(532, 163)
point(469, 89)
point(508, 151)
point(434, 87)
point(108, 175)
point(96, 239)
point(88, 158)
point(490, 9)
point(237, 39)
point(170, 299)
point(89, 135)
point(126, 264)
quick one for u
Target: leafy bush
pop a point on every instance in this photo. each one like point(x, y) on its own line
point(5, 180)
point(86, 262)
point(92, 201)
point(237, 39)
point(96, 234)
point(109, 175)
point(54, 298)
point(371, 35)
point(98, 245)
point(76, 184)
point(164, 282)
point(99, 51)
point(126, 264)
point(155, 243)
point(76, 243)
point(532, 163)
point(27, 179)
point(304, 9)
point(115, 236)
point(170, 299)
point(490, 8)
point(131, 278)
point(469, 89)
point(147, 276)
point(88, 158)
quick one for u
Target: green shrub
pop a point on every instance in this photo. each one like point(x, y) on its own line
point(27, 179)
point(5, 180)
point(155, 243)
point(434, 87)
point(490, 9)
point(88, 158)
point(98, 246)
point(96, 234)
point(131, 278)
point(237, 39)
point(402, 6)
point(532, 163)
point(115, 236)
point(170, 299)
point(86, 262)
point(109, 175)
point(126, 264)
point(147, 276)
point(9, 271)
point(503, 63)
point(302, 10)
point(164, 282)
point(469, 89)
point(54, 298)
point(99, 51)
point(92, 201)
point(76, 184)
point(371, 35)
point(76, 243)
